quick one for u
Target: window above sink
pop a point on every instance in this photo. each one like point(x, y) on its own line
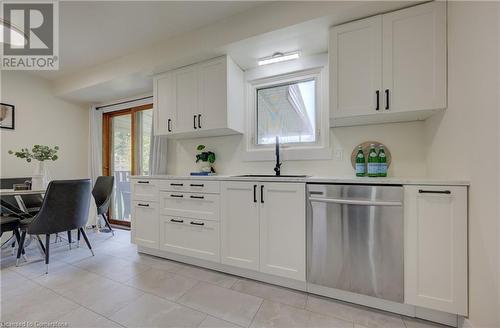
point(288, 100)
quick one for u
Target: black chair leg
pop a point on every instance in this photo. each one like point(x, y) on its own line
point(78, 238)
point(40, 243)
point(18, 239)
point(20, 247)
point(47, 246)
point(84, 234)
point(69, 239)
point(106, 221)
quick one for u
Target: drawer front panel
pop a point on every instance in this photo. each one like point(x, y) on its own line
point(191, 205)
point(143, 189)
point(145, 224)
point(197, 186)
point(190, 237)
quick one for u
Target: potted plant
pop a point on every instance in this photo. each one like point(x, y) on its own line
point(41, 154)
point(205, 159)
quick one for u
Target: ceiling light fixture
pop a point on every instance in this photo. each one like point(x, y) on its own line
point(278, 57)
point(17, 37)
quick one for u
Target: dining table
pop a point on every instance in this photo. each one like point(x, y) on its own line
point(17, 194)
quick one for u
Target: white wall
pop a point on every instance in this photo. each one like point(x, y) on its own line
point(41, 118)
point(405, 140)
point(464, 143)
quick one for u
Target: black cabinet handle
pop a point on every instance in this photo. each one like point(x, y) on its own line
point(197, 223)
point(177, 184)
point(142, 181)
point(197, 197)
point(255, 193)
point(199, 121)
point(447, 192)
point(386, 98)
point(378, 99)
point(262, 194)
point(168, 125)
point(176, 221)
point(143, 205)
point(194, 122)
point(177, 196)
point(197, 185)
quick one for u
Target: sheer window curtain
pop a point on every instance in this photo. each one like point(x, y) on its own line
point(95, 156)
point(157, 153)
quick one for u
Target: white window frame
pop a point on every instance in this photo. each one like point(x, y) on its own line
point(320, 149)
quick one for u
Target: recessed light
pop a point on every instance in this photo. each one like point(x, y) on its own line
point(278, 57)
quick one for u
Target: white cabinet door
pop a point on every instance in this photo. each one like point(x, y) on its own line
point(240, 224)
point(436, 248)
point(414, 58)
point(186, 98)
point(356, 67)
point(164, 105)
point(212, 94)
point(145, 224)
point(283, 230)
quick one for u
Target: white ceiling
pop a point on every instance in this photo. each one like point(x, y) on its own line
point(94, 32)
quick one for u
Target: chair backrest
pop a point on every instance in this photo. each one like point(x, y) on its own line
point(102, 191)
point(65, 207)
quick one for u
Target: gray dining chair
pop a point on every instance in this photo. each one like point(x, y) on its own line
point(64, 208)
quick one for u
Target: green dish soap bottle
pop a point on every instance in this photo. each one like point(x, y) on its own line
point(360, 163)
point(372, 162)
point(382, 162)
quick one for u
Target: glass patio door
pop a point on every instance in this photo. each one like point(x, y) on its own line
point(126, 144)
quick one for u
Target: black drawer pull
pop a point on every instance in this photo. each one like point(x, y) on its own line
point(262, 194)
point(199, 121)
point(194, 122)
point(447, 192)
point(197, 185)
point(197, 223)
point(168, 125)
point(143, 205)
point(316, 193)
point(177, 184)
point(197, 197)
point(378, 100)
point(176, 221)
point(255, 193)
point(177, 196)
point(142, 181)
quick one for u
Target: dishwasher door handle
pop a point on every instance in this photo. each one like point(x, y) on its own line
point(354, 202)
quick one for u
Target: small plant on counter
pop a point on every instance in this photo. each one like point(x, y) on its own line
point(207, 158)
point(38, 152)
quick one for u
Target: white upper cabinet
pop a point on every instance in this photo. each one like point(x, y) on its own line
point(163, 94)
point(389, 68)
point(436, 248)
point(356, 63)
point(204, 99)
point(414, 67)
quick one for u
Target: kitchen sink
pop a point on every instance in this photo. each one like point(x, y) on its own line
point(271, 176)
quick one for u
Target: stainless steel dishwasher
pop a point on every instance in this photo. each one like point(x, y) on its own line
point(355, 239)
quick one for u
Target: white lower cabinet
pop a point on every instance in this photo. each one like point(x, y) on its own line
point(263, 227)
point(436, 248)
point(283, 230)
point(240, 224)
point(144, 224)
point(190, 237)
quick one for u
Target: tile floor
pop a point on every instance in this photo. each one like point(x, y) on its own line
point(121, 288)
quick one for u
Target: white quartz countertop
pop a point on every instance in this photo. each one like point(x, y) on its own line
point(316, 179)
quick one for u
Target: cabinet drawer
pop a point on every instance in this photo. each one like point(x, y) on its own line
point(144, 189)
point(191, 205)
point(190, 237)
point(144, 224)
point(211, 187)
